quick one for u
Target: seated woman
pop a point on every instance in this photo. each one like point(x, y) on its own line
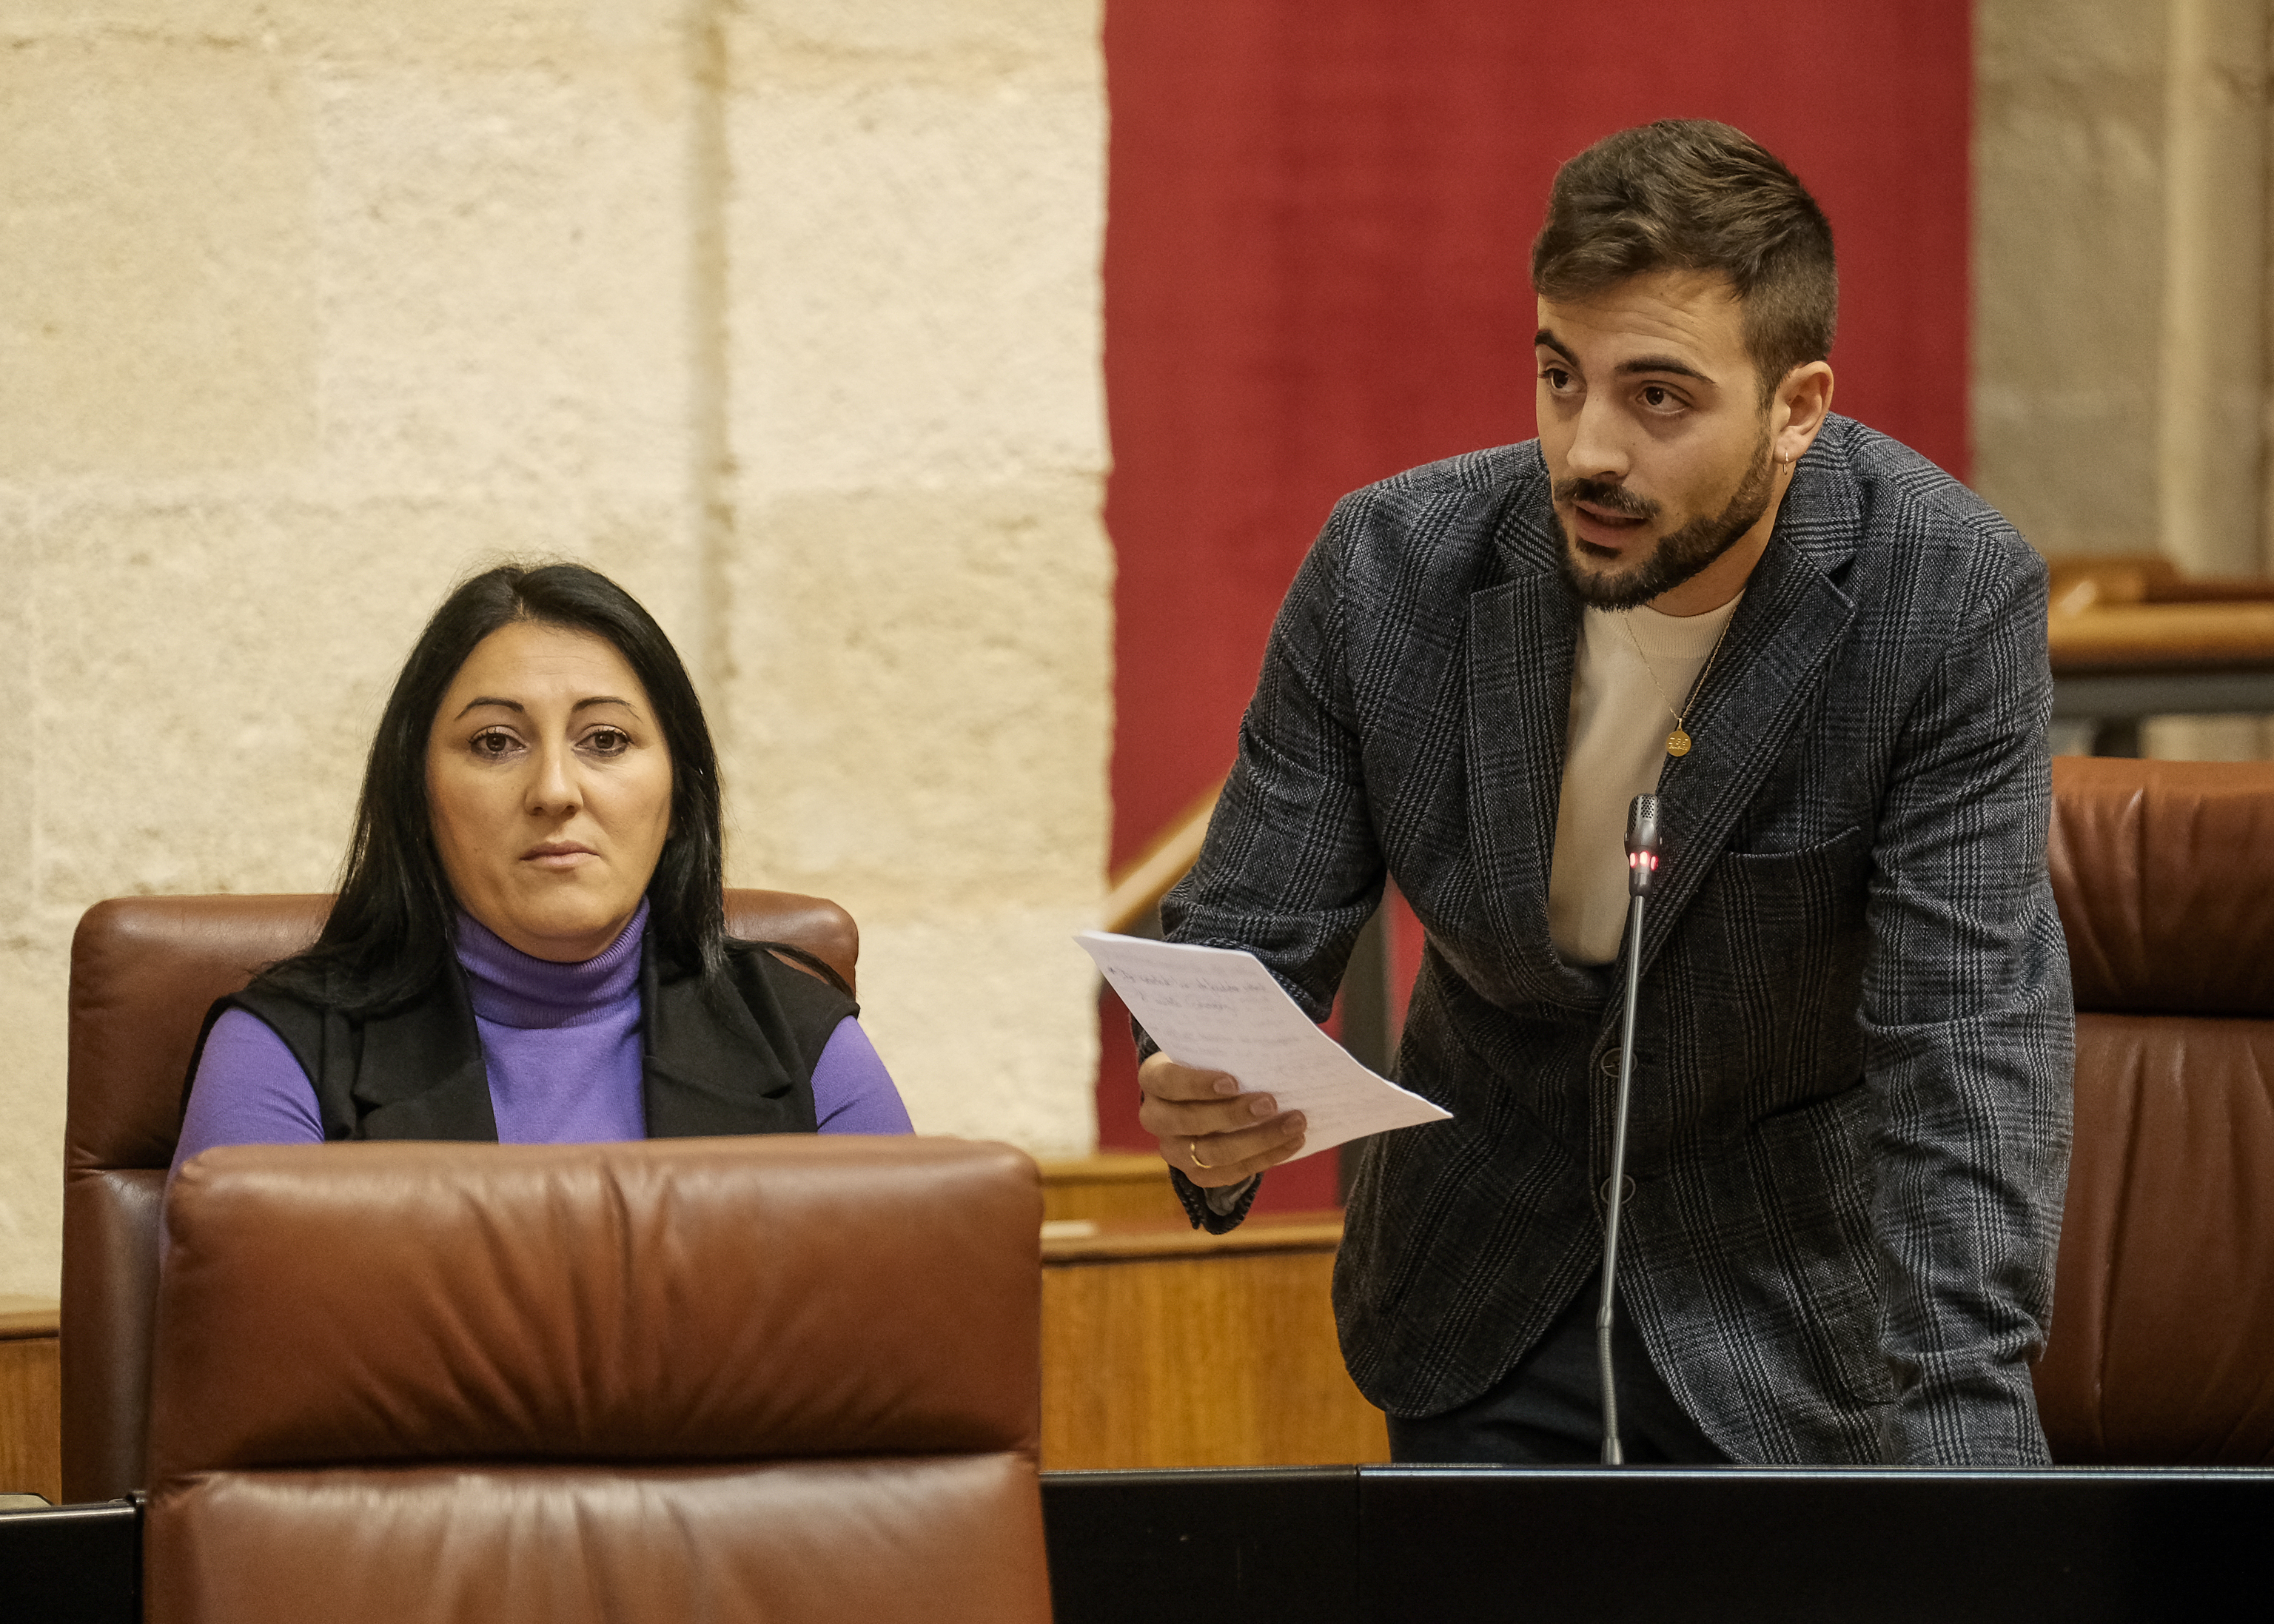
point(530, 943)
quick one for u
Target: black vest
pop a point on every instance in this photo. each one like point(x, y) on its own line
point(731, 1053)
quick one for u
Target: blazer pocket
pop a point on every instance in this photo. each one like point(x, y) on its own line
point(1769, 901)
point(1824, 861)
point(1778, 947)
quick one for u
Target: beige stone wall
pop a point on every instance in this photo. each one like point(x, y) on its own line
point(918, 636)
point(2067, 272)
point(784, 315)
point(2124, 277)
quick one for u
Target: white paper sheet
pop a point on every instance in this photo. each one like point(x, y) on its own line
point(1221, 1010)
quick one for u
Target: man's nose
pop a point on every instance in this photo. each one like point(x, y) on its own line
point(1597, 447)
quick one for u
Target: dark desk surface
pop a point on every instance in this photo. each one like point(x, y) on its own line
point(1380, 1543)
point(1384, 1544)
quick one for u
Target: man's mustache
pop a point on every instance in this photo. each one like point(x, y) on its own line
point(1607, 495)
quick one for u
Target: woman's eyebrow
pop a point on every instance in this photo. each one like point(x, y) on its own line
point(515, 704)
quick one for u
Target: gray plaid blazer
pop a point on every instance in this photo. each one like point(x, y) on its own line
point(1850, 1127)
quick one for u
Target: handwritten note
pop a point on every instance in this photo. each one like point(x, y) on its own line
point(1211, 1007)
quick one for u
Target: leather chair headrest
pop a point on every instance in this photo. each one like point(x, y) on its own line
point(673, 1300)
point(144, 969)
point(2164, 872)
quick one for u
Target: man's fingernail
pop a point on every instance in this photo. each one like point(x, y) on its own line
point(1227, 1085)
point(1295, 1125)
point(1262, 1107)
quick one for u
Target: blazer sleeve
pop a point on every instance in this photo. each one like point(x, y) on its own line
point(1967, 1030)
point(1291, 870)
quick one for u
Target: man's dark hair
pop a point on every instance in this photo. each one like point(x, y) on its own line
point(1689, 194)
point(394, 923)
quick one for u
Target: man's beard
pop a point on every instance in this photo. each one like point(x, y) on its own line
point(1680, 554)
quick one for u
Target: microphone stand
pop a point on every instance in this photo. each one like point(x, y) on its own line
point(1642, 867)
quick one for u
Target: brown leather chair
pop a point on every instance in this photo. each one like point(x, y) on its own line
point(779, 1377)
point(2162, 1350)
point(144, 969)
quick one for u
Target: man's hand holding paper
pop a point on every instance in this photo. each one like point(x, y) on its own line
point(1223, 1025)
point(1209, 1131)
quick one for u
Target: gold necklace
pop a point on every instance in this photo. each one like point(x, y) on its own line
point(1677, 742)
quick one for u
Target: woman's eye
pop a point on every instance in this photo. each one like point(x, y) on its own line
point(607, 742)
point(494, 746)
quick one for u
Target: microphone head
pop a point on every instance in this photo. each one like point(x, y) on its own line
point(1642, 824)
point(1642, 845)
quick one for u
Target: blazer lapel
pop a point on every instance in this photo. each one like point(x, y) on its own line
point(1522, 636)
point(1769, 678)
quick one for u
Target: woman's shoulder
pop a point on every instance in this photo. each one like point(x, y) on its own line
point(247, 1086)
point(780, 981)
point(787, 965)
point(241, 1035)
point(286, 1003)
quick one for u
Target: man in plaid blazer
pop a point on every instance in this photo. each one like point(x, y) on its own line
point(1850, 1116)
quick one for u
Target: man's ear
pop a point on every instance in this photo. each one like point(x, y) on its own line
point(1802, 401)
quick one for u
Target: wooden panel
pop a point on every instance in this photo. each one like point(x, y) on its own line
point(1167, 1347)
point(1095, 1242)
point(31, 1398)
point(1109, 1186)
point(2082, 582)
point(2163, 636)
point(29, 1316)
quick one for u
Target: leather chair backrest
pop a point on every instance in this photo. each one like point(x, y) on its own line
point(144, 971)
point(779, 1377)
point(2164, 1301)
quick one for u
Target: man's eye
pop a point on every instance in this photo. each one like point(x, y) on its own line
point(1658, 398)
point(1558, 380)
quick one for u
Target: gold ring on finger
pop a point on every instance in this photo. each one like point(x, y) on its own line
point(1192, 1149)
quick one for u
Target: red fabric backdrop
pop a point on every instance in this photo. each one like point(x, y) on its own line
point(1318, 217)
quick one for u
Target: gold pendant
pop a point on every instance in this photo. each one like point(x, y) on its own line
point(1678, 743)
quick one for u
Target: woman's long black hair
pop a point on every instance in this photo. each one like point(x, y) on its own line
point(394, 923)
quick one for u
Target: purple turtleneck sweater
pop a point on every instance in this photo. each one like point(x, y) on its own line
point(562, 1042)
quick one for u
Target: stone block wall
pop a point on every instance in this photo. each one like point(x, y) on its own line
point(2124, 289)
point(2123, 276)
point(784, 315)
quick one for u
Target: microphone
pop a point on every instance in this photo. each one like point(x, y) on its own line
point(1642, 869)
